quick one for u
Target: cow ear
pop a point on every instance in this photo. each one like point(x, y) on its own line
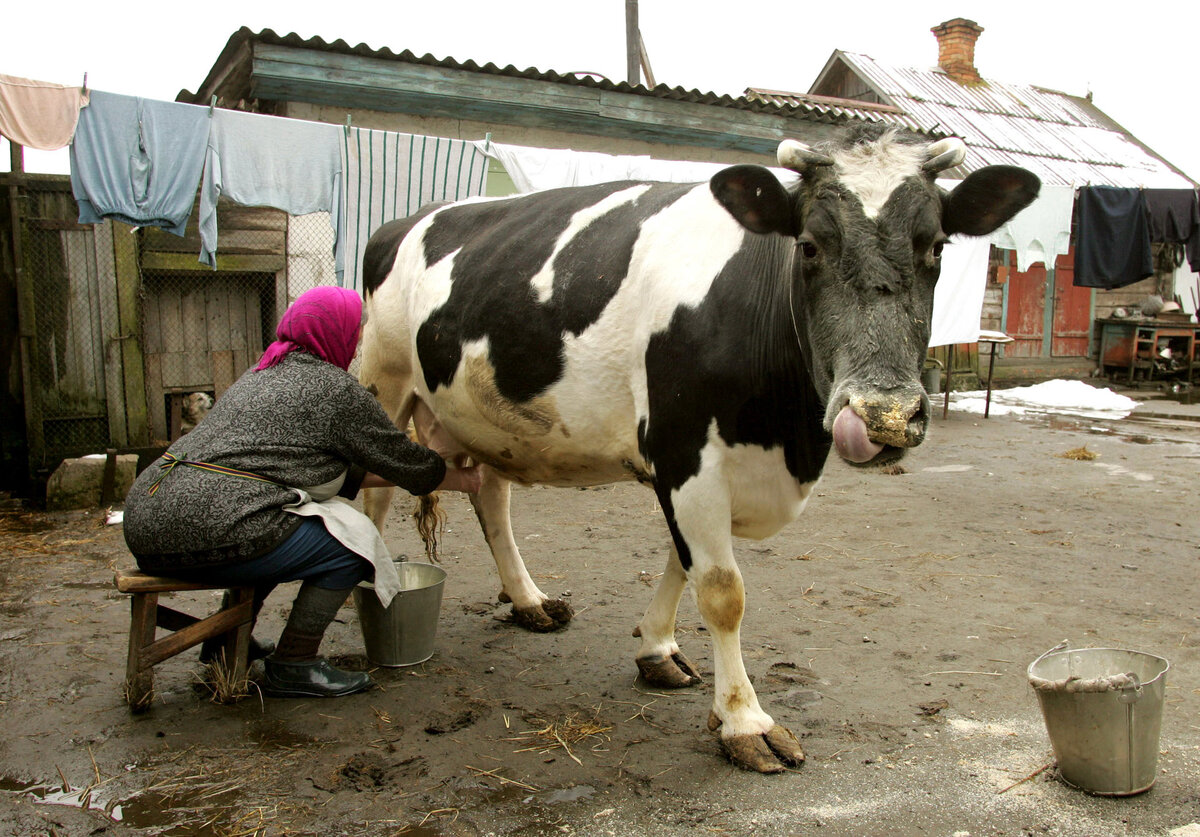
point(755, 198)
point(987, 199)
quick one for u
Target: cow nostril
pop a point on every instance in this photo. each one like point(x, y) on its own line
point(918, 421)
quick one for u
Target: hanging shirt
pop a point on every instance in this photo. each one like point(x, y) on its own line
point(38, 114)
point(390, 175)
point(1175, 219)
point(1112, 237)
point(138, 160)
point(1041, 232)
point(258, 160)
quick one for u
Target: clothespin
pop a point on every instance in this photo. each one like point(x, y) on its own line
point(348, 125)
point(212, 105)
point(487, 142)
point(85, 84)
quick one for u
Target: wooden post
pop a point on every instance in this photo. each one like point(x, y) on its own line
point(35, 437)
point(633, 40)
point(16, 157)
point(130, 334)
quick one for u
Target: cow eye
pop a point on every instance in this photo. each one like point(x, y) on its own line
point(808, 249)
point(937, 249)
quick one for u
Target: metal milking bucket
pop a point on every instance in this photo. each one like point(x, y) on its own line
point(403, 633)
point(1103, 713)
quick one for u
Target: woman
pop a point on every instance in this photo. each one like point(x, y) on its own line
point(247, 497)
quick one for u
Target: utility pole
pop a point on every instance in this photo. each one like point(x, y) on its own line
point(633, 41)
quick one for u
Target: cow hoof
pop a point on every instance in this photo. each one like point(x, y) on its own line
point(551, 615)
point(558, 610)
point(774, 752)
point(673, 672)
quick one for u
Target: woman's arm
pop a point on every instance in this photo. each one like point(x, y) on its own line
point(457, 479)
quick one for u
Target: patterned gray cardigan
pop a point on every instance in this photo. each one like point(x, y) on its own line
point(301, 422)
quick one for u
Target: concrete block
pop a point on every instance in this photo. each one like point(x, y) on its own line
point(76, 483)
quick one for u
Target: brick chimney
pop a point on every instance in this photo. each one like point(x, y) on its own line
point(956, 49)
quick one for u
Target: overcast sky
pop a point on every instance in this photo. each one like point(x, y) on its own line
point(1142, 67)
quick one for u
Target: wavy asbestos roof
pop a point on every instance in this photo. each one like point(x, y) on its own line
point(814, 109)
point(1065, 140)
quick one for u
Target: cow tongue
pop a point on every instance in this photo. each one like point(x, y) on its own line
point(850, 437)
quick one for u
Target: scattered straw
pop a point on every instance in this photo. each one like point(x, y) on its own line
point(1081, 454)
point(564, 733)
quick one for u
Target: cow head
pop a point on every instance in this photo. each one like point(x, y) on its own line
point(869, 225)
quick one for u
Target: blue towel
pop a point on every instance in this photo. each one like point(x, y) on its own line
point(138, 160)
point(258, 160)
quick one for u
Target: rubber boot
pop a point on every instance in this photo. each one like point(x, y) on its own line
point(295, 670)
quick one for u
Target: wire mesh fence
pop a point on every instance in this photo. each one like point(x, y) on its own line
point(125, 337)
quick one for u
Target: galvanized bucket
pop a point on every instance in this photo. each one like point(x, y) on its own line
point(1103, 712)
point(403, 633)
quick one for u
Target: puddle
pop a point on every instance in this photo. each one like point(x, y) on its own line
point(88, 799)
point(195, 813)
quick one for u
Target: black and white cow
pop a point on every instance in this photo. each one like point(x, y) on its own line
point(710, 340)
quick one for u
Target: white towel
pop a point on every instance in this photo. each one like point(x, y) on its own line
point(958, 297)
point(535, 169)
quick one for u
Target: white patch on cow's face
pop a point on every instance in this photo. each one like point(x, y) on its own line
point(873, 171)
point(543, 281)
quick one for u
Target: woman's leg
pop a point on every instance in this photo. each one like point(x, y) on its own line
point(329, 571)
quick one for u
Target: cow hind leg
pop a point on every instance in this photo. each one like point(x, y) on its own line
point(531, 608)
point(659, 660)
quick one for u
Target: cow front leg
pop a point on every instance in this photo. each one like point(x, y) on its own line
point(661, 663)
point(531, 608)
point(750, 737)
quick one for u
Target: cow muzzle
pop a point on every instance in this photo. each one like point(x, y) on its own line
point(874, 430)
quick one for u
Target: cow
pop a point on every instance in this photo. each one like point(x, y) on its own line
point(712, 341)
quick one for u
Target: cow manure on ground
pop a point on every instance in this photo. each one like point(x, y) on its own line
point(443, 724)
point(1081, 454)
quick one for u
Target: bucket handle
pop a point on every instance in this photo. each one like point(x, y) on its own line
point(1133, 692)
point(1066, 643)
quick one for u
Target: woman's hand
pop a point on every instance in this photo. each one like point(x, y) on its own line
point(467, 480)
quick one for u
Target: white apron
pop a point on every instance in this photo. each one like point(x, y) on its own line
point(353, 529)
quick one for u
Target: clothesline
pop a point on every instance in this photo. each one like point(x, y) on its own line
point(141, 161)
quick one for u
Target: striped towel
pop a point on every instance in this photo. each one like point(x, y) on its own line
point(390, 175)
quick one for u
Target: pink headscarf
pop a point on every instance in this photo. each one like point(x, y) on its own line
point(322, 322)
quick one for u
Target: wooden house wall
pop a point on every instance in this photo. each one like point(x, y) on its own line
point(202, 328)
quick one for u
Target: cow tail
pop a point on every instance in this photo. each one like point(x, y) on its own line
point(431, 522)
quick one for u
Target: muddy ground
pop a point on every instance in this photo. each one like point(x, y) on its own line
point(890, 628)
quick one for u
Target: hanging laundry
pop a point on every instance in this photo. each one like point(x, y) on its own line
point(533, 169)
point(958, 295)
point(258, 160)
point(138, 160)
point(1041, 232)
point(1175, 219)
point(390, 175)
point(38, 114)
point(1112, 237)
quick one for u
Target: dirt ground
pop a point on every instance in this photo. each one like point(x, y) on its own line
point(890, 628)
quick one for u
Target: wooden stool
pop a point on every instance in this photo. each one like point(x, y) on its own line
point(233, 621)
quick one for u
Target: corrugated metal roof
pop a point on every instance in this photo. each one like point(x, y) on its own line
point(1063, 139)
point(796, 108)
point(842, 108)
